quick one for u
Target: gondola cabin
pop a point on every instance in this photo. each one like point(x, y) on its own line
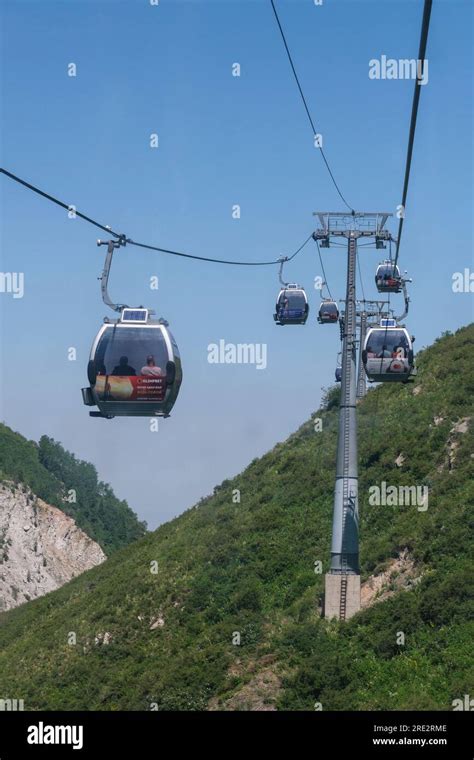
point(388, 278)
point(328, 313)
point(292, 306)
point(388, 353)
point(338, 374)
point(134, 368)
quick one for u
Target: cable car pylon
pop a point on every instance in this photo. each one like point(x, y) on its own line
point(361, 376)
point(342, 583)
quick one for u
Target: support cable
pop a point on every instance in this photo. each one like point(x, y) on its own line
point(124, 240)
point(306, 105)
point(414, 112)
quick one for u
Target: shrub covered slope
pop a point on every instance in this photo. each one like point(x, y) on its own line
point(158, 624)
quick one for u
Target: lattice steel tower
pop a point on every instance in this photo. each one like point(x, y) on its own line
point(342, 588)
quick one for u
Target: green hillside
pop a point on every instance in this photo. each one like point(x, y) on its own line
point(53, 473)
point(169, 639)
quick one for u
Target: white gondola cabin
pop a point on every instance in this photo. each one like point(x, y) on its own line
point(388, 353)
point(328, 312)
point(388, 278)
point(292, 306)
point(134, 368)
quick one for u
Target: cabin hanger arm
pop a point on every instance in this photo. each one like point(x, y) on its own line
point(104, 278)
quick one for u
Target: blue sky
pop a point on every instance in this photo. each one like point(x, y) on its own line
point(223, 140)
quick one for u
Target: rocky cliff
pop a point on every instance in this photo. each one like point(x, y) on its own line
point(41, 548)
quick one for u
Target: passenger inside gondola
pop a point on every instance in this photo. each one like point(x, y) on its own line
point(134, 370)
point(403, 343)
point(123, 369)
point(150, 369)
point(387, 278)
point(398, 352)
point(391, 348)
point(328, 312)
point(388, 355)
point(292, 305)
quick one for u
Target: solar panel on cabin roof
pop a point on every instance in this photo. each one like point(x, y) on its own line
point(134, 315)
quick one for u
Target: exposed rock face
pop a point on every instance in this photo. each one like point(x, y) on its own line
point(41, 548)
point(452, 444)
point(400, 573)
point(400, 460)
point(157, 622)
point(260, 692)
